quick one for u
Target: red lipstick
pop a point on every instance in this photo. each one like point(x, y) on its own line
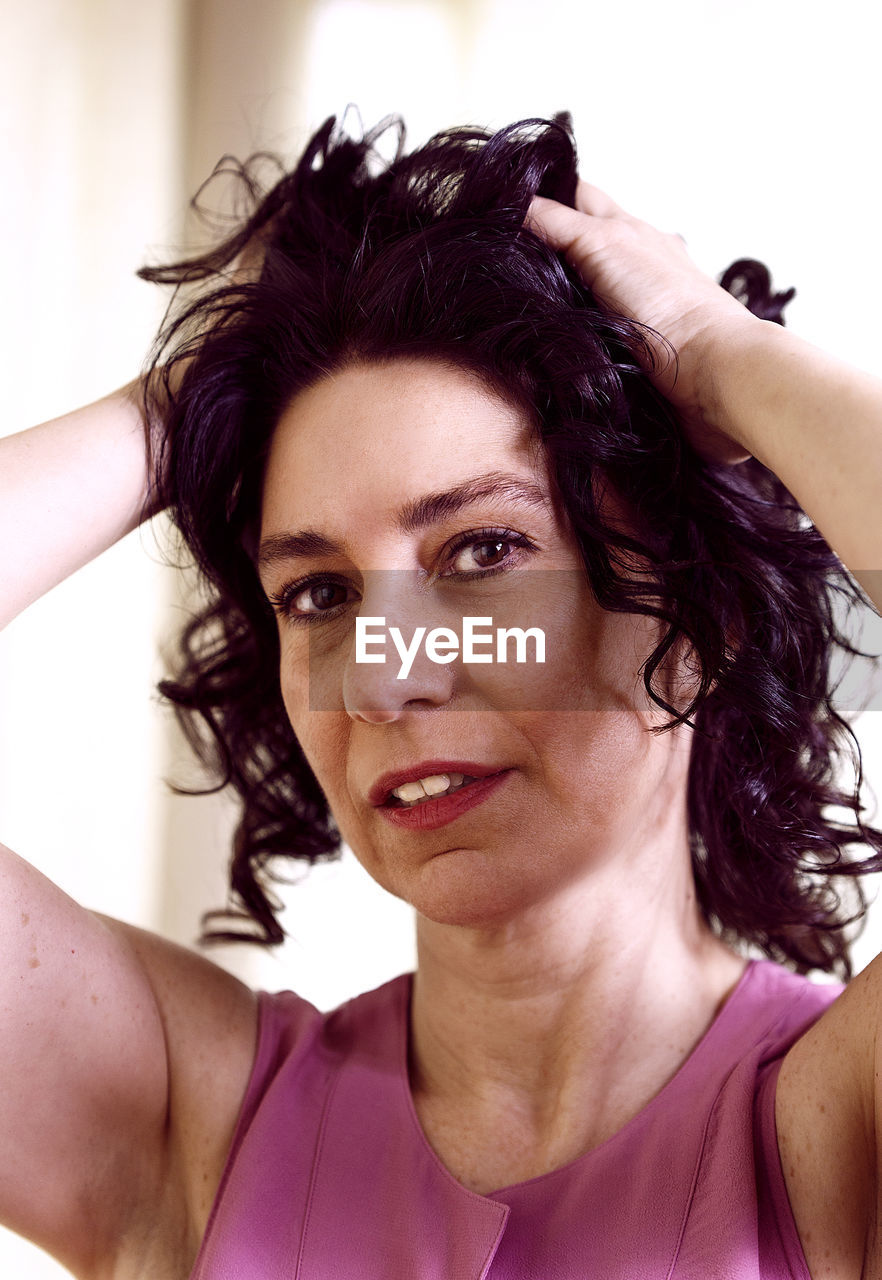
point(439, 810)
point(387, 782)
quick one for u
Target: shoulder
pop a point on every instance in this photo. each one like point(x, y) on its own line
point(317, 1079)
point(209, 1022)
point(825, 1115)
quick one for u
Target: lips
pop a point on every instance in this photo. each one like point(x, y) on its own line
point(441, 810)
point(381, 790)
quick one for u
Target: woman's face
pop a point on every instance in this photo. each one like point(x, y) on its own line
point(408, 492)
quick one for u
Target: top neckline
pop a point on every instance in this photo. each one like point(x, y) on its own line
point(723, 1022)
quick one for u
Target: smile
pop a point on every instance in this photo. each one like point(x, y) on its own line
point(427, 812)
point(423, 789)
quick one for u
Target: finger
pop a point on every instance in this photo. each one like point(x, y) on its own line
point(557, 224)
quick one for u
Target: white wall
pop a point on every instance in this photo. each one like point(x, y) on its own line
point(89, 108)
point(751, 128)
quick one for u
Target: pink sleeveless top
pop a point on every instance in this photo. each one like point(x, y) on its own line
point(330, 1176)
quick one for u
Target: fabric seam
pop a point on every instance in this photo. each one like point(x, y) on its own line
point(313, 1173)
point(769, 1031)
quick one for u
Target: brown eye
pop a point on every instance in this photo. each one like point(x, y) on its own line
point(318, 598)
point(311, 600)
point(487, 553)
point(477, 553)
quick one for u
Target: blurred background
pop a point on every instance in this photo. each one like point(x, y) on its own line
point(751, 128)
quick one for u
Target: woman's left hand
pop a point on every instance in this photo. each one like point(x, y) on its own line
point(741, 386)
point(646, 274)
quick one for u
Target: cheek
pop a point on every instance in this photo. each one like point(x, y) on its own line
point(602, 777)
point(296, 703)
point(322, 735)
point(627, 642)
point(599, 757)
point(591, 755)
point(600, 666)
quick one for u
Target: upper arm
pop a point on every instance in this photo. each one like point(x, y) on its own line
point(827, 1111)
point(102, 1066)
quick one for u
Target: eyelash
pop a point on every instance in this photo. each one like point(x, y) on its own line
point(282, 600)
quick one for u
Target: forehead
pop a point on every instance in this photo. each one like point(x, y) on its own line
point(379, 433)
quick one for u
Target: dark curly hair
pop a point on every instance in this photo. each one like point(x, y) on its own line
point(349, 257)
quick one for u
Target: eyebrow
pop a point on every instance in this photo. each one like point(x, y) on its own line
point(417, 514)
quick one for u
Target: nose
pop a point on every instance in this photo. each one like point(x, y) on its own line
point(394, 623)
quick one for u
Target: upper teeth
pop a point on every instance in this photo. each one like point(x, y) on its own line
point(434, 785)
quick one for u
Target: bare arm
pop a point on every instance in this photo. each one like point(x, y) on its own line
point(115, 1115)
point(69, 489)
point(741, 385)
point(817, 423)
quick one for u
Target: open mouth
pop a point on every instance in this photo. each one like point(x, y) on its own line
point(455, 794)
point(411, 794)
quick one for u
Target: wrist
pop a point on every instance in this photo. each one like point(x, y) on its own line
point(738, 367)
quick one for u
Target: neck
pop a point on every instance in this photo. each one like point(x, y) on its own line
point(570, 1015)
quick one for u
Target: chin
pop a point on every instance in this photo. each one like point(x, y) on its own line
point(456, 889)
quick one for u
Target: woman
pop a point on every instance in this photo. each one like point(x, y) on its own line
point(405, 407)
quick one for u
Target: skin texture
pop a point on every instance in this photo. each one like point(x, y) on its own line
point(599, 747)
point(563, 898)
point(547, 917)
